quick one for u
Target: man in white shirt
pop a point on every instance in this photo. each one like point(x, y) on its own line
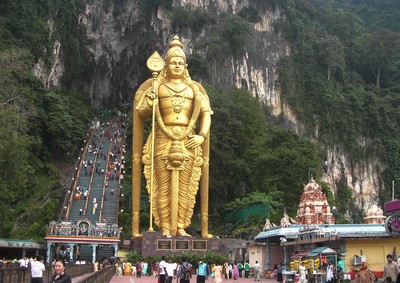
point(37, 268)
point(257, 268)
point(23, 262)
point(170, 270)
point(162, 266)
point(23, 265)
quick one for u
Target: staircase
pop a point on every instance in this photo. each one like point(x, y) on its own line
point(86, 253)
point(104, 251)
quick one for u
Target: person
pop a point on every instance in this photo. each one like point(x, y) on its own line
point(178, 151)
point(144, 268)
point(391, 269)
point(170, 270)
point(60, 276)
point(303, 274)
point(226, 269)
point(118, 268)
point(279, 276)
point(23, 262)
point(257, 268)
point(217, 273)
point(235, 272)
point(329, 272)
point(37, 269)
point(201, 272)
point(246, 269)
point(162, 269)
point(364, 274)
point(23, 266)
point(184, 271)
point(139, 269)
point(133, 272)
point(127, 268)
point(240, 268)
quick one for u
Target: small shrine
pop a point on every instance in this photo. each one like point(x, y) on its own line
point(374, 215)
point(313, 206)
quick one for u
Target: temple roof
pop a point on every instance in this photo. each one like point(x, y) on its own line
point(26, 244)
point(339, 230)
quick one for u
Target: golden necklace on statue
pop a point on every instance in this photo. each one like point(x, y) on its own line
point(178, 95)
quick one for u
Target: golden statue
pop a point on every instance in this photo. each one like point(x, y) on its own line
point(176, 154)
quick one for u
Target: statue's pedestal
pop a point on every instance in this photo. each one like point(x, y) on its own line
point(154, 243)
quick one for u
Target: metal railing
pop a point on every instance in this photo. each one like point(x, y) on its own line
point(101, 276)
point(14, 274)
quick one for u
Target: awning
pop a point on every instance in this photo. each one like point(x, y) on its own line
point(300, 255)
point(321, 251)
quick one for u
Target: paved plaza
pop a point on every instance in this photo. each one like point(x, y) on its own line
point(148, 279)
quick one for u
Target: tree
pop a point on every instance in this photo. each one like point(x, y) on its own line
point(235, 32)
point(238, 128)
point(381, 51)
point(331, 50)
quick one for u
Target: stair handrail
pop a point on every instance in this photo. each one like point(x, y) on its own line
point(87, 141)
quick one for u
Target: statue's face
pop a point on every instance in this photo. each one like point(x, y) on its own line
point(176, 67)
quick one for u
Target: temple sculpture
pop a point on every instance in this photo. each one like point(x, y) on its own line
point(374, 215)
point(313, 206)
point(175, 157)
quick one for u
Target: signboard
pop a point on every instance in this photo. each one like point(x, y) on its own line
point(164, 244)
point(181, 244)
point(199, 245)
point(392, 206)
point(392, 225)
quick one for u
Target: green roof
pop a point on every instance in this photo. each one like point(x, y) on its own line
point(322, 251)
point(14, 243)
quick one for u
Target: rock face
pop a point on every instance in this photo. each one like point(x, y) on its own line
point(122, 37)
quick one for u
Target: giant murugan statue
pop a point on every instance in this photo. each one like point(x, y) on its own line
point(176, 154)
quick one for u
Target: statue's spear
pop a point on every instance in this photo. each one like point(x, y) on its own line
point(155, 64)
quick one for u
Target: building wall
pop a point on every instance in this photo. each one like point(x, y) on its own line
point(277, 255)
point(257, 253)
point(375, 251)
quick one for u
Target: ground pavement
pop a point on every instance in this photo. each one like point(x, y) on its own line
point(149, 279)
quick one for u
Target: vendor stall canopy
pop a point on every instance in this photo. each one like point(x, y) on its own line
point(321, 251)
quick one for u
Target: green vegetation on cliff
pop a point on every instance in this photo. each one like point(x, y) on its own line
point(343, 80)
point(38, 126)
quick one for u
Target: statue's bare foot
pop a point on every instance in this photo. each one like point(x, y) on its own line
point(207, 236)
point(182, 232)
point(166, 232)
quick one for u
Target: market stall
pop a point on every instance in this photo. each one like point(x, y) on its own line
point(320, 258)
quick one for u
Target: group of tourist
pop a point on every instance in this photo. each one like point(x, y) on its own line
point(335, 274)
point(391, 273)
point(138, 269)
point(167, 270)
point(34, 267)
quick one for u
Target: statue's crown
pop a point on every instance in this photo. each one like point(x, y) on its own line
point(175, 49)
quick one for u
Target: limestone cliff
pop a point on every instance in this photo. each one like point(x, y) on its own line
point(122, 38)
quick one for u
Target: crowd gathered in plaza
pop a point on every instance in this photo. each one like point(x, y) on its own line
point(167, 270)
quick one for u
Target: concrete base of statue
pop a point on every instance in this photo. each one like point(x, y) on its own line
point(154, 243)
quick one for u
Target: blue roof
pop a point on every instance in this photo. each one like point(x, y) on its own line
point(339, 230)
